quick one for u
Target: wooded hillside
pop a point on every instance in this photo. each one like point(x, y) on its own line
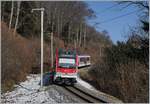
point(67, 22)
point(119, 69)
point(123, 70)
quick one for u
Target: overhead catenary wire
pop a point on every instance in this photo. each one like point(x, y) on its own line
point(118, 17)
point(108, 8)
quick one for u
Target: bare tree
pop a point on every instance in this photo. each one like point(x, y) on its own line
point(69, 32)
point(84, 35)
point(61, 21)
point(53, 19)
point(80, 38)
point(18, 10)
point(11, 15)
point(52, 50)
point(58, 23)
point(77, 36)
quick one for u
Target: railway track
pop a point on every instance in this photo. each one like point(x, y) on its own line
point(89, 98)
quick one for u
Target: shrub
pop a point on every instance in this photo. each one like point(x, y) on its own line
point(19, 56)
point(122, 73)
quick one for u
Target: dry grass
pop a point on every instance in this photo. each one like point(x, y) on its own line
point(121, 73)
point(19, 56)
point(129, 81)
point(84, 74)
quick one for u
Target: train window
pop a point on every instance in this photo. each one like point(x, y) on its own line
point(82, 59)
point(88, 59)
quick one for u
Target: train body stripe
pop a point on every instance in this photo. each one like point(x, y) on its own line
point(66, 70)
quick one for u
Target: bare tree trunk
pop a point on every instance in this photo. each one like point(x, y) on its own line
point(11, 15)
point(85, 36)
point(52, 22)
point(75, 44)
point(52, 49)
point(100, 51)
point(58, 26)
point(49, 18)
point(53, 19)
point(69, 31)
point(77, 36)
point(2, 9)
point(61, 23)
point(49, 24)
point(80, 38)
point(18, 10)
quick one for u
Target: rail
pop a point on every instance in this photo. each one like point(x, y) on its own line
point(83, 95)
point(90, 96)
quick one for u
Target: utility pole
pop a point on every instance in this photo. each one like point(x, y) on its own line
point(52, 49)
point(42, 14)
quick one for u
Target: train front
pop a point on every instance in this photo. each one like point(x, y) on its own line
point(66, 67)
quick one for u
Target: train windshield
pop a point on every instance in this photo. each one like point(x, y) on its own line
point(67, 63)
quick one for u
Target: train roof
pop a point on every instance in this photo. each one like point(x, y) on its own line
point(84, 56)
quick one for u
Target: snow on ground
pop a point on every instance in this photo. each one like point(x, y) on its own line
point(27, 92)
point(86, 84)
point(30, 92)
point(105, 96)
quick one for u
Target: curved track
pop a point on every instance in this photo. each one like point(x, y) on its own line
point(83, 95)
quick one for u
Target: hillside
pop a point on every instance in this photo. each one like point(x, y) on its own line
point(118, 67)
point(19, 57)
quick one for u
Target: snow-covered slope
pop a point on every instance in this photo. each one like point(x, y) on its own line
point(27, 92)
point(85, 84)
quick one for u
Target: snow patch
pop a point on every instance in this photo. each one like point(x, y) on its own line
point(86, 84)
point(27, 92)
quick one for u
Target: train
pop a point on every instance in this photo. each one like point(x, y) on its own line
point(67, 63)
point(83, 61)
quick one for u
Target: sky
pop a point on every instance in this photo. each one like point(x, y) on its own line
point(117, 29)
